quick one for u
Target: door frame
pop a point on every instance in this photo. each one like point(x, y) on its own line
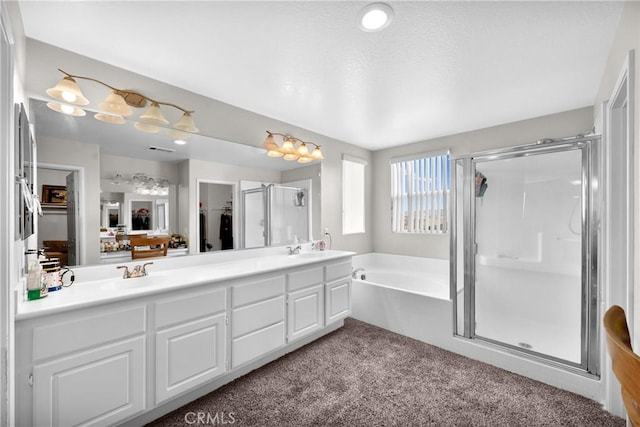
point(81, 207)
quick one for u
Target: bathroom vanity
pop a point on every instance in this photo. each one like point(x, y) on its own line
point(110, 350)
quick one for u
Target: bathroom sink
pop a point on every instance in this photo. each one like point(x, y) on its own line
point(308, 255)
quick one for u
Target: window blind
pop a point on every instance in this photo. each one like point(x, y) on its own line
point(420, 195)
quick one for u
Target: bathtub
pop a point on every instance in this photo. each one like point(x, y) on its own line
point(404, 294)
point(410, 296)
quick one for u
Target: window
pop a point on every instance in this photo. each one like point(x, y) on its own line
point(420, 194)
point(352, 195)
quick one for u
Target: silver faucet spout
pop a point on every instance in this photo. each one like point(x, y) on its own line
point(138, 271)
point(294, 250)
point(354, 275)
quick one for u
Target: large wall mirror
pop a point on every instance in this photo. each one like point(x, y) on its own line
point(142, 183)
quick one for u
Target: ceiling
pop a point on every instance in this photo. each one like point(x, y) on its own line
point(440, 68)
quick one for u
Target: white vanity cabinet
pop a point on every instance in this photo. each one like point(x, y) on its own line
point(305, 302)
point(190, 340)
point(86, 371)
point(116, 351)
point(257, 318)
point(337, 290)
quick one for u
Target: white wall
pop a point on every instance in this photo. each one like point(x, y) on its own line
point(509, 135)
point(628, 38)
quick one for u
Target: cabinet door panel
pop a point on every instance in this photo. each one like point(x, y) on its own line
point(98, 387)
point(189, 355)
point(306, 313)
point(338, 304)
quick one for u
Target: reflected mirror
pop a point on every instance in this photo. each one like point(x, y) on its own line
point(134, 182)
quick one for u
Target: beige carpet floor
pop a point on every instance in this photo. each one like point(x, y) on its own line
point(361, 375)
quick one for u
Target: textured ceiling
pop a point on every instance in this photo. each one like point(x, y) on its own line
point(439, 68)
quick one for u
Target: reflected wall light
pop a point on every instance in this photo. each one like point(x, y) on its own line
point(117, 104)
point(288, 149)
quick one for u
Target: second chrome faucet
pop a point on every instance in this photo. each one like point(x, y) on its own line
point(138, 271)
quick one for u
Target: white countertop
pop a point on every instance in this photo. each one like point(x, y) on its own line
point(91, 288)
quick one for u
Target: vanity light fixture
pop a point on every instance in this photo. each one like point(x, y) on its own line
point(144, 184)
point(118, 104)
point(288, 149)
point(375, 17)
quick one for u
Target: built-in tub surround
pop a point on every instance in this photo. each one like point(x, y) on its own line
point(415, 301)
point(154, 343)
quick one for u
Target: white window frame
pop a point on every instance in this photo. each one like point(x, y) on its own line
point(420, 198)
point(353, 195)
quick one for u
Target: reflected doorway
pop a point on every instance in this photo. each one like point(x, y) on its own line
point(216, 227)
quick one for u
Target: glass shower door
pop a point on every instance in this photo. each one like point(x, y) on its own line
point(529, 291)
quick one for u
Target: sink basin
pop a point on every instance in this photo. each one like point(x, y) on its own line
point(308, 255)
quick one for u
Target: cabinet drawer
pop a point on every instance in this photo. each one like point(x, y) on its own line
point(87, 331)
point(248, 293)
point(305, 278)
point(182, 308)
point(338, 270)
point(256, 316)
point(257, 344)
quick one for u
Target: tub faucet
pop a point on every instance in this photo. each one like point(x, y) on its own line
point(293, 251)
point(354, 275)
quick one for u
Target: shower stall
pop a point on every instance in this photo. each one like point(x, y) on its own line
point(274, 215)
point(524, 248)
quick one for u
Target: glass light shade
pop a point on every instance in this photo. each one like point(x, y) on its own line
point(66, 109)
point(287, 147)
point(305, 160)
point(186, 124)
point(110, 118)
point(270, 144)
point(179, 141)
point(116, 105)
point(117, 179)
point(273, 153)
point(145, 127)
point(303, 150)
point(154, 115)
point(178, 134)
point(291, 156)
point(67, 90)
point(317, 154)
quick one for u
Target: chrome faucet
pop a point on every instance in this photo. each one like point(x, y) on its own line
point(138, 271)
point(354, 275)
point(293, 251)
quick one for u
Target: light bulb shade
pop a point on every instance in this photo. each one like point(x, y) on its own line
point(154, 115)
point(66, 109)
point(274, 153)
point(67, 90)
point(178, 134)
point(270, 143)
point(305, 160)
point(116, 105)
point(303, 150)
point(186, 124)
point(291, 156)
point(145, 127)
point(110, 118)
point(317, 154)
point(287, 147)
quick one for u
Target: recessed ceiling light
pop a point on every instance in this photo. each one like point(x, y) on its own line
point(375, 17)
point(180, 141)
